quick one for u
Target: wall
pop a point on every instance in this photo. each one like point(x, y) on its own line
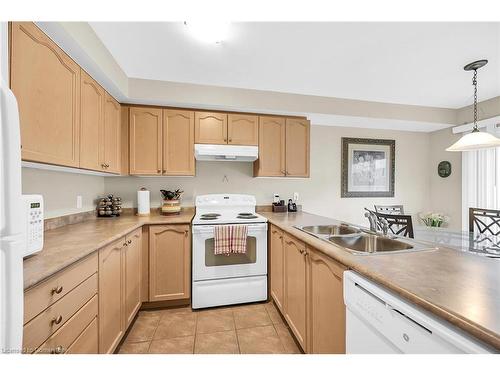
point(319, 194)
point(59, 190)
point(446, 193)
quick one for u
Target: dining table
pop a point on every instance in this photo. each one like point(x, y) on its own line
point(478, 243)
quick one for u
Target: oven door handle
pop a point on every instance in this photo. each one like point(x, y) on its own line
point(204, 229)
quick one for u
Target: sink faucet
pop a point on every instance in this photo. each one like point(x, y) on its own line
point(373, 219)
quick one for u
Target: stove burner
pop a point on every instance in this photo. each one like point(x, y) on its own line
point(210, 216)
point(246, 214)
point(251, 216)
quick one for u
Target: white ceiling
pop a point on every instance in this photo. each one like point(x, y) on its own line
point(406, 63)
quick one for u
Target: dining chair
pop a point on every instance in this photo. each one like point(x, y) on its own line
point(484, 220)
point(398, 224)
point(396, 209)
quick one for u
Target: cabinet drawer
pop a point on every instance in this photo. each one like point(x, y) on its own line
point(48, 322)
point(52, 290)
point(87, 342)
point(60, 341)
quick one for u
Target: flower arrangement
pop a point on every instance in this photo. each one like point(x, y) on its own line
point(433, 219)
point(171, 195)
point(171, 202)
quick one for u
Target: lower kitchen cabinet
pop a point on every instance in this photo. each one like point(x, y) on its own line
point(132, 268)
point(169, 262)
point(119, 288)
point(326, 332)
point(111, 296)
point(277, 266)
point(307, 288)
point(296, 288)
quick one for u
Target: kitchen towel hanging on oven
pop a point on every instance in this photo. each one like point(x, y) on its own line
point(230, 239)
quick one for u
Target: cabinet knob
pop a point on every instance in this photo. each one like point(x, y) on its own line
point(57, 350)
point(107, 165)
point(164, 171)
point(159, 170)
point(57, 289)
point(129, 242)
point(230, 139)
point(125, 244)
point(57, 320)
point(103, 165)
point(301, 251)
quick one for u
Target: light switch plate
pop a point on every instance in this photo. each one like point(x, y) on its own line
point(79, 201)
point(295, 197)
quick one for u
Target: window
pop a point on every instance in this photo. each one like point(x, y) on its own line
point(480, 179)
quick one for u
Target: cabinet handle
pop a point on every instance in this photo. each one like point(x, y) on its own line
point(301, 251)
point(107, 165)
point(289, 242)
point(57, 350)
point(125, 244)
point(281, 237)
point(158, 170)
point(103, 165)
point(57, 290)
point(186, 233)
point(57, 320)
point(230, 139)
point(129, 242)
point(164, 171)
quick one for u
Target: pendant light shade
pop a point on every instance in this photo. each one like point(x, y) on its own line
point(476, 139)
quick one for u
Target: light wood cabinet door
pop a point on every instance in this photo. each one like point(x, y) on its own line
point(91, 123)
point(210, 128)
point(111, 144)
point(145, 141)
point(46, 83)
point(277, 267)
point(242, 130)
point(295, 287)
point(132, 254)
point(271, 162)
point(326, 304)
point(170, 260)
point(111, 296)
point(178, 143)
point(297, 147)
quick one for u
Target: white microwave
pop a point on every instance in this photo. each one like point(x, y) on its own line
point(33, 217)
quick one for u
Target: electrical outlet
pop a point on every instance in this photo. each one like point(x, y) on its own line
point(295, 197)
point(79, 201)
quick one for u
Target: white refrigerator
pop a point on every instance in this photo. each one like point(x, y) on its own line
point(12, 232)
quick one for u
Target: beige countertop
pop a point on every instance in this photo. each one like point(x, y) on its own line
point(461, 288)
point(65, 245)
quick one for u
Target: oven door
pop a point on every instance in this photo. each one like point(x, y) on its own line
point(208, 266)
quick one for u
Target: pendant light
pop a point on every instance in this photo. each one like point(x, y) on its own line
point(476, 139)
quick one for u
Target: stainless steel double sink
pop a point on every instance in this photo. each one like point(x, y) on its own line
point(360, 241)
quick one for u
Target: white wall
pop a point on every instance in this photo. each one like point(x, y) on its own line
point(60, 189)
point(319, 194)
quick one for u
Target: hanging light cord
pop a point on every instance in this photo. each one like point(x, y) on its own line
point(474, 83)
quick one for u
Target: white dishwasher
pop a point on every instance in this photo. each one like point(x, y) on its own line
point(378, 321)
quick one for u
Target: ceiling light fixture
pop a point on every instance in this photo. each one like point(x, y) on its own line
point(208, 31)
point(476, 139)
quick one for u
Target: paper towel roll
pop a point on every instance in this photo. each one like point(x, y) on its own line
point(143, 206)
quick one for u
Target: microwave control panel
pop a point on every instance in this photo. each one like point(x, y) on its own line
point(33, 205)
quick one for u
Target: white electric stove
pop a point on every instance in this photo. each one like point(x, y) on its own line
point(238, 278)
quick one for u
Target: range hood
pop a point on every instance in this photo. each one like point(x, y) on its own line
point(225, 152)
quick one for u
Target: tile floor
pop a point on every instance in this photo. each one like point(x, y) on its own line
point(246, 329)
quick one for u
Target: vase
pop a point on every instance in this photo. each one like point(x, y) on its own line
point(171, 207)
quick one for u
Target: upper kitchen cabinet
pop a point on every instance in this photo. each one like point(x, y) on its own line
point(271, 161)
point(91, 123)
point(111, 135)
point(283, 147)
point(210, 128)
point(178, 143)
point(46, 83)
point(297, 147)
point(243, 130)
point(145, 141)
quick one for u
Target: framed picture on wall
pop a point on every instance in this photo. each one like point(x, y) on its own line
point(367, 167)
